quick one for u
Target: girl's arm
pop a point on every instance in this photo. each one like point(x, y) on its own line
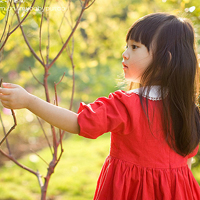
point(189, 162)
point(15, 97)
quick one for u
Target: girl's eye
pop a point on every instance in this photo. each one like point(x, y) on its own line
point(134, 47)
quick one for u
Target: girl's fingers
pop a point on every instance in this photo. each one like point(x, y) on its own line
point(4, 97)
point(9, 85)
point(5, 104)
point(5, 91)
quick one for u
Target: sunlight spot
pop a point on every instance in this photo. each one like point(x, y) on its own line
point(33, 158)
point(191, 9)
point(29, 117)
point(74, 169)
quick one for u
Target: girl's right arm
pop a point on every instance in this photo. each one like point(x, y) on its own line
point(15, 97)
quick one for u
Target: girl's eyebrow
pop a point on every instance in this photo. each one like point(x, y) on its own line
point(133, 41)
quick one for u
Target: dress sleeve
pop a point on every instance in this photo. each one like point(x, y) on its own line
point(103, 115)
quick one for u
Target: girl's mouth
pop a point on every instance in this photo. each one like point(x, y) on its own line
point(124, 66)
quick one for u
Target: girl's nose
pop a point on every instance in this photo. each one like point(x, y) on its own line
point(125, 55)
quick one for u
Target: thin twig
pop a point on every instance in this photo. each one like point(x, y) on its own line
point(4, 130)
point(56, 96)
point(73, 76)
point(90, 4)
point(40, 32)
point(40, 157)
point(35, 77)
point(60, 134)
point(68, 39)
point(60, 80)
point(7, 36)
point(9, 33)
point(70, 56)
point(45, 135)
point(6, 23)
point(26, 40)
point(11, 129)
point(48, 43)
point(16, 162)
point(23, 18)
point(1, 81)
point(39, 179)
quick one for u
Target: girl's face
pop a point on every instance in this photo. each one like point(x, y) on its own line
point(136, 59)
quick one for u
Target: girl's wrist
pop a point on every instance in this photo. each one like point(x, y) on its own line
point(29, 101)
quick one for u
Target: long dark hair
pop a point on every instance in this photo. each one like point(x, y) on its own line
point(174, 68)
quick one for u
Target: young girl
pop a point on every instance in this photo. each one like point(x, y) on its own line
point(155, 130)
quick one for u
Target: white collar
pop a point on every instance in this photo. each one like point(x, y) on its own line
point(154, 93)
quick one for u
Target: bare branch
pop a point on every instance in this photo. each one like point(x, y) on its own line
point(90, 4)
point(40, 157)
point(48, 43)
point(39, 179)
point(23, 18)
point(45, 135)
point(4, 130)
point(70, 55)
point(6, 22)
point(35, 77)
point(17, 163)
point(73, 75)
point(7, 36)
point(25, 39)
point(11, 129)
point(40, 32)
point(68, 39)
point(9, 33)
point(60, 131)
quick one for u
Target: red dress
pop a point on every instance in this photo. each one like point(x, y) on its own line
point(141, 165)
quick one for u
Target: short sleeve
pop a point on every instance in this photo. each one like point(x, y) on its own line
point(103, 115)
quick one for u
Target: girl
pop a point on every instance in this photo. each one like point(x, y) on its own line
point(155, 129)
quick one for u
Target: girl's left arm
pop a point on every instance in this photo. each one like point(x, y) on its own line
point(15, 97)
point(189, 162)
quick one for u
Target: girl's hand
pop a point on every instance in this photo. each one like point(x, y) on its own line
point(14, 96)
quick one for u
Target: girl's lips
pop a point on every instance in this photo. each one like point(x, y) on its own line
point(124, 66)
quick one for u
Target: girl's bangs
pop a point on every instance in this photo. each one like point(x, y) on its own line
point(140, 32)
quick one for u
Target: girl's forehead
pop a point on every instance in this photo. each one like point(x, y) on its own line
point(133, 41)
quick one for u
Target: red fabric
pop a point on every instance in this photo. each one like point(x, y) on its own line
point(141, 165)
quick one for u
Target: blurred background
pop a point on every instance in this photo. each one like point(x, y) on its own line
point(98, 43)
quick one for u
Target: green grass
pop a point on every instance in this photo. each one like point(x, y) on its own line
point(74, 178)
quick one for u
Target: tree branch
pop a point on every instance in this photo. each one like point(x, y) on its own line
point(40, 32)
point(25, 39)
point(17, 163)
point(68, 39)
point(45, 135)
point(4, 130)
point(35, 77)
point(11, 129)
